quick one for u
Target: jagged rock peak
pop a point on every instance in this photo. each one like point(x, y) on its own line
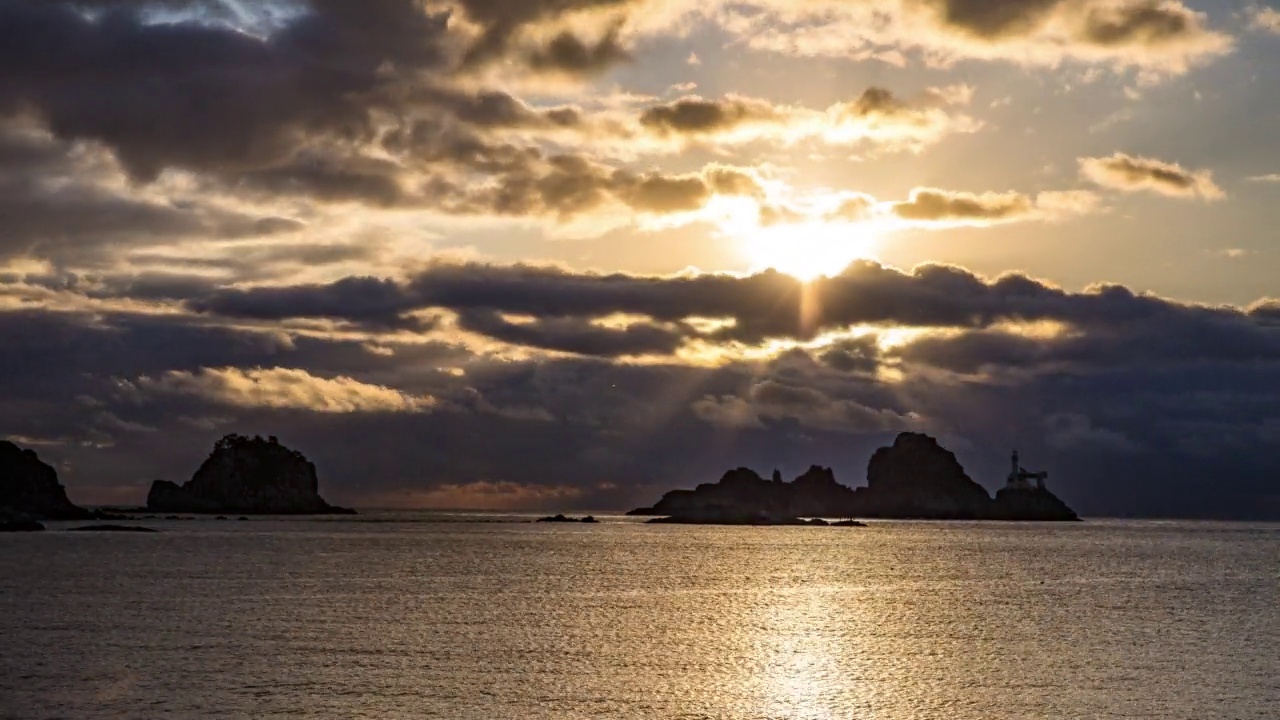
point(817, 475)
point(917, 477)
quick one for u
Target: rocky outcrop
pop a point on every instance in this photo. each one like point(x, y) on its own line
point(246, 476)
point(561, 518)
point(918, 478)
point(915, 478)
point(742, 497)
point(1030, 504)
point(29, 489)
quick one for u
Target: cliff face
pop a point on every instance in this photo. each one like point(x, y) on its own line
point(246, 476)
point(918, 478)
point(29, 488)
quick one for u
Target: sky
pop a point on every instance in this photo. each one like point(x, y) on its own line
point(561, 254)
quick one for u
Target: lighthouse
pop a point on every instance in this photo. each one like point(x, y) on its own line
point(1020, 479)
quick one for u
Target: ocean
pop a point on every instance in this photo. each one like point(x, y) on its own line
point(428, 615)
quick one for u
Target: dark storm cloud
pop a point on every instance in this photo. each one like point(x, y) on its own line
point(202, 96)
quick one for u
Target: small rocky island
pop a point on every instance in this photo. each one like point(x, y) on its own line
point(914, 478)
point(246, 476)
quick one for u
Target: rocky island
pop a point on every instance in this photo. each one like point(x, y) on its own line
point(914, 478)
point(246, 476)
point(30, 492)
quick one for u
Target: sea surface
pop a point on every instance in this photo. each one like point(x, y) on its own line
point(470, 616)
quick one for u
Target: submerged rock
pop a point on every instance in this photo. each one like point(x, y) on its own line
point(29, 488)
point(247, 476)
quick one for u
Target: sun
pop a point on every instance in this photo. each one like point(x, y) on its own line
point(809, 250)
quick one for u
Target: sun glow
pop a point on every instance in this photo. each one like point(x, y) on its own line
point(809, 250)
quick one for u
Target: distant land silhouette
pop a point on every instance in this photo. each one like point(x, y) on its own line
point(246, 476)
point(243, 475)
point(915, 478)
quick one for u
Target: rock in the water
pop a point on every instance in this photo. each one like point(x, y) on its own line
point(30, 489)
point(562, 518)
point(742, 497)
point(914, 478)
point(20, 526)
point(918, 478)
point(1030, 504)
point(246, 476)
point(113, 528)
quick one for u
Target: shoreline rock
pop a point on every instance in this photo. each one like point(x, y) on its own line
point(246, 476)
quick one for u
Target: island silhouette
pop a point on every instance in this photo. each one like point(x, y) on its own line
point(915, 478)
point(247, 476)
point(242, 475)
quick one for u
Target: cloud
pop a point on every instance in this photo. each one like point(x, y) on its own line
point(752, 309)
point(208, 97)
point(931, 206)
point(283, 388)
point(567, 53)
point(1132, 174)
point(1162, 37)
point(1265, 19)
point(771, 402)
point(1272, 178)
point(876, 116)
point(981, 360)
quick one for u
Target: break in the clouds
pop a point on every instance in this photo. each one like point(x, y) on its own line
point(574, 252)
point(1130, 174)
